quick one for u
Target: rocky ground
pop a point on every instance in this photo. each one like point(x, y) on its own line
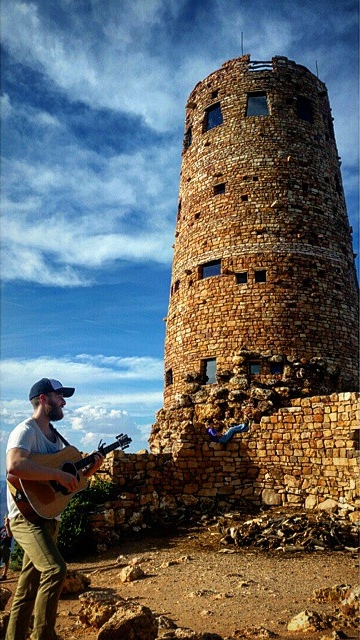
point(209, 585)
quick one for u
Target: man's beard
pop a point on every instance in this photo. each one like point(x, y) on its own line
point(53, 412)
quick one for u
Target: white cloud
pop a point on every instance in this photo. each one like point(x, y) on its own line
point(5, 107)
point(81, 371)
point(103, 232)
point(108, 65)
point(129, 61)
point(101, 419)
point(112, 395)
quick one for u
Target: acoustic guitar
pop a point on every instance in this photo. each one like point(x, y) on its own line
point(48, 499)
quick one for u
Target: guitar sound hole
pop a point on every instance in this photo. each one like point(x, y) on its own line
point(68, 467)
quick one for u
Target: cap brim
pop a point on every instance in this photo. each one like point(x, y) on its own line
point(67, 391)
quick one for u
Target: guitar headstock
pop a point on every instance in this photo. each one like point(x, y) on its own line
point(123, 441)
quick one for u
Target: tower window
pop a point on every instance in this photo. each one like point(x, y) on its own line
point(188, 138)
point(219, 189)
point(254, 368)
point(241, 277)
point(338, 185)
point(260, 275)
point(175, 287)
point(276, 368)
point(168, 377)
point(213, 117)
point(257, 104)
point(304, 109)
point(209, 269)
point(208, 370)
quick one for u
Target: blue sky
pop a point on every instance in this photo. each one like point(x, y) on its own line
point(92, 108)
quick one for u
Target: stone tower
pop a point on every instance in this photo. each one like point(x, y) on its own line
point(263, 303)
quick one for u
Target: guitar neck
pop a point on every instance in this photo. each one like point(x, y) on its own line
point(90, 459)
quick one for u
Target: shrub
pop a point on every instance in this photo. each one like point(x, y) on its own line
point(16, 557)
point(75, 535)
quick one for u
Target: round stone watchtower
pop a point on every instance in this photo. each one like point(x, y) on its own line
point(263, 299)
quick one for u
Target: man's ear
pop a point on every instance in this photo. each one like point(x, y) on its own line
point(43, 398)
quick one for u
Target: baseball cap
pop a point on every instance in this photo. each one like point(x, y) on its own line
point(47, 385)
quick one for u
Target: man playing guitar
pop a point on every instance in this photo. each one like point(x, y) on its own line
point(43, 570)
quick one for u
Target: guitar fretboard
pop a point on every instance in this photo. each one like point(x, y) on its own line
point(84, 462)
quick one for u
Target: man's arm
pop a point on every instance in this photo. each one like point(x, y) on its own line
point(19, 464)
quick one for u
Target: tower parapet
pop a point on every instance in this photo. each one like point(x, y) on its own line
point(263, 291)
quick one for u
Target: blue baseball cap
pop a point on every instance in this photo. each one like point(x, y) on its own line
point(47, 385)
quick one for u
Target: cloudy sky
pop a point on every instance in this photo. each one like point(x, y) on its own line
point(92, 107)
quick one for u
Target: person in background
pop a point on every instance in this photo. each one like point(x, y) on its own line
point(43, 570)
point(223, 438)
point(5, 546)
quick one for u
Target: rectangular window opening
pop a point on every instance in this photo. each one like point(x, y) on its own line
point(257, 104)
point(254, 368)
point(260, 275)
point(208, 370)
point(209, 269)
point(213, 117)
point(241, 277)
point(276, 368)
point(168, 378)
point(219, 189)
point(304, 109)
point(188, 138)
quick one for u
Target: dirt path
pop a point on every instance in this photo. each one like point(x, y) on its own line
point(201, 585)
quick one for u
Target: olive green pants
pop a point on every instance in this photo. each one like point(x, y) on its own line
point(39, 585)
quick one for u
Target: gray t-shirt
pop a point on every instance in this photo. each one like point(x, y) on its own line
point(27, 435)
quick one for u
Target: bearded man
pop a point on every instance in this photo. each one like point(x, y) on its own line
point(43, 570)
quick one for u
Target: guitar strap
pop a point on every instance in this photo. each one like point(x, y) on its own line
point(56, 432)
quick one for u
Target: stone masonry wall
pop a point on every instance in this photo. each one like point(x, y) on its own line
point(302, 455)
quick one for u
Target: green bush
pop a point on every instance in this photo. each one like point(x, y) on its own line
point(16, 557)
point(75, 535)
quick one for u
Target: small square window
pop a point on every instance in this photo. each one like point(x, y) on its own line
point(213, 117)
point(219, 189)
point(188, 138)
point(212, 268)
point(168, 377)
point(276, 368)
point(241, 277)
point(208, 370)
point(244, 198)
point(260, 275)
point(304, 109)
point(257, 104)
point(254, 368)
